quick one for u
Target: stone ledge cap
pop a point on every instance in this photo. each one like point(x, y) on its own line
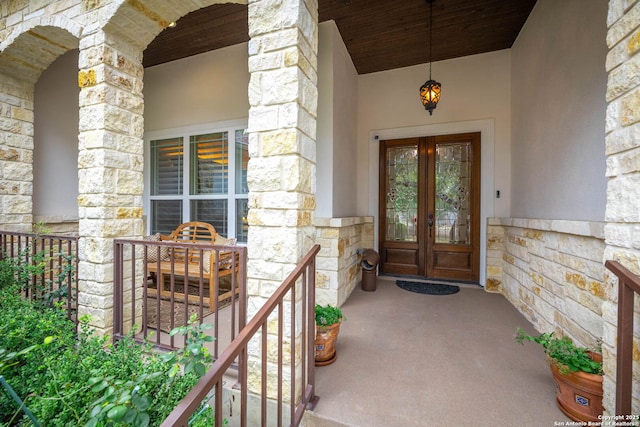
point(579, 228)
point(342, 222)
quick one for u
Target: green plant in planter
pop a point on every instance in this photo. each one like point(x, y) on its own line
point(328, 315)
point(564, 352)
point(328, 319)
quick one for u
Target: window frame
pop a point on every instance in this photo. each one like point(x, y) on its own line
point(186, 132)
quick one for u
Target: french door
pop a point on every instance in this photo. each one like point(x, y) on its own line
point(430, 207)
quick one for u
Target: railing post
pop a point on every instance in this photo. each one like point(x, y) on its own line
point(628, 286)
point(311, 325)
point(238, 348)
point(624, 361)
point(117, 290)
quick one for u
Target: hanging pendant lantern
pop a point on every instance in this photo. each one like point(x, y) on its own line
point(430, 90)
point(430, 94)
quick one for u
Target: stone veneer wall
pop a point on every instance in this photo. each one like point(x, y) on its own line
point(59, 226)
point(338, 263)
point(281, 174)
point(16, 155)
point(622, 145)
point(551, 271)
point(282, 129)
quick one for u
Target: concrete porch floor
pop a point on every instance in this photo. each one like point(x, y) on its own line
point(407, 359)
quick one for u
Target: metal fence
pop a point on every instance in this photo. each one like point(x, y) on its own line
point(628, 288)
point(280, 339)
point(160, 285)
point(44, 266)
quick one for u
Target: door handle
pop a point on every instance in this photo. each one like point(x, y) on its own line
point(430, 222)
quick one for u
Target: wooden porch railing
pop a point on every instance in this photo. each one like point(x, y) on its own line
point(46, 267)
point(628, 286)
point(264, 320)
point(156, 304)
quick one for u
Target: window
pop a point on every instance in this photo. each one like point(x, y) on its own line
point(198, 174)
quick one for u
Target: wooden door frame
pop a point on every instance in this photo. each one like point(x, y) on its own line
point(488, 204)
point(399, 246)
point(475, 191)
point(418, 258)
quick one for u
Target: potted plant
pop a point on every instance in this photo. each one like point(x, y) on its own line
point(328, 319)
point(577, 372)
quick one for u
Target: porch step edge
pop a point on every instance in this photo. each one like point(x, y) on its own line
point(311, 419)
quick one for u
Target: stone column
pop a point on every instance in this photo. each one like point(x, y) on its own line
point(110, 165)
point(282, 131)
point(623, 170)
point(16, 154)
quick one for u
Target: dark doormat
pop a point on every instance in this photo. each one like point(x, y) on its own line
point(427, 287)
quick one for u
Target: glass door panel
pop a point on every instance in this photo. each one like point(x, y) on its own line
point(453, 207)
point(402, 193)
point(453, 182)
point(429, 214)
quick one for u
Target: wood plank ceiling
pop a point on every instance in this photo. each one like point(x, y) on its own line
point(379, 34)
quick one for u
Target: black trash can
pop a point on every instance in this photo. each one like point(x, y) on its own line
point(370, 260)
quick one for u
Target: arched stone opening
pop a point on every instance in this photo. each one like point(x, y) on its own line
point(23, 58)
point(55, 155)
point(27, 54)
point(139, 23)
point(111, 153)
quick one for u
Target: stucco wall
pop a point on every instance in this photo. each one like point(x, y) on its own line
point(324, 133)
point(558, 99)
point(473, 88)
point(212, 87)
point(336, 137)
point(345, 101)
point(55, 154)
point(477, 92)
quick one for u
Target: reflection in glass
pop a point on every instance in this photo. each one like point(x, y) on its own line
point(242, 161)
point(212, 211)
point(453, 179)
point(242, 225)
point(402, 193)
point(166, 215)
point(209, 163)
point(166, 166)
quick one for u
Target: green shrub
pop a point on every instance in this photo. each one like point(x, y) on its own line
point(44, 275)
point(22, 325)
point(563, 352)
point(86, 381)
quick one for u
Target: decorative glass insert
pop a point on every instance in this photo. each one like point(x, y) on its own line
point(166, 166)
point(209, 163)
point(453, 180)
point(402, 193)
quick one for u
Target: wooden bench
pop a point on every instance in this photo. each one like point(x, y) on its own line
point(192, 263)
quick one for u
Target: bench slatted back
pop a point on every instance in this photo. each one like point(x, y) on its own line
point(192, 232)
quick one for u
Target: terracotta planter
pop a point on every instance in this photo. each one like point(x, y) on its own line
point(579, 395)
point(325, 344)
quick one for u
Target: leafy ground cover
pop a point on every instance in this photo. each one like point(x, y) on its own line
point(66, 378)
